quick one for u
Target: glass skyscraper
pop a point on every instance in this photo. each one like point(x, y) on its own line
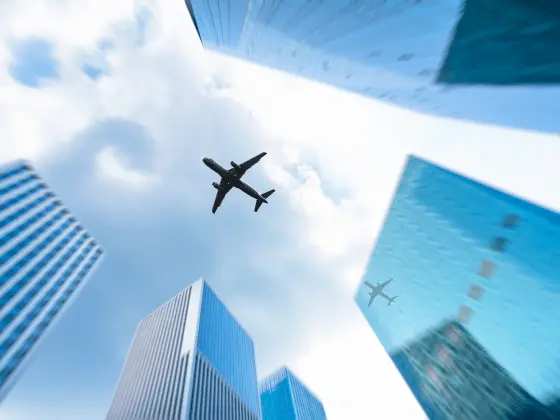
point(45, 258)
point(285, 397)
point(476, 276)
point(189, 360)
point(430, 56)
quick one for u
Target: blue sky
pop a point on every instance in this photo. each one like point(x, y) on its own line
point(33, 62)
point(124, 151)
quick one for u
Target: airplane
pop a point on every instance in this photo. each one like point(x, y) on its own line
point(232, 178)
point(377, 290)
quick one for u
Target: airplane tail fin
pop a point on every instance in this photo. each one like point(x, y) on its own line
point(391, 300)
point(259, 203)
point(268, 193)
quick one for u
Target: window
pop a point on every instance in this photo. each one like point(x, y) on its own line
point(443, 356)
point(499, 244)
point(476, 291)
point(487, 269)
point(453, 334)
point(465, 314)
point(432, 376)
point(510, 221)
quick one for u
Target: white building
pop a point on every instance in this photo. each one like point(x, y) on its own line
point(189, 359)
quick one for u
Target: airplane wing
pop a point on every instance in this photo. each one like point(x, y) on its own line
point(251, 162)
point(220, 195)
point(382, 285)
point(369, 285)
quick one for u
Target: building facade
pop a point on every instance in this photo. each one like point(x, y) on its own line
point(189, 360)
point(476, 273)
point(418, 55)
point(285, 397)
point(46, 257)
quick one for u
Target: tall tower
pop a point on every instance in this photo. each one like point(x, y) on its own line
point(189, 360)
point(427, 67)
point(285, 397)
point(477, 275)
point(45, 259)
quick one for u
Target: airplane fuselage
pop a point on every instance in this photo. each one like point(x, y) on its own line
point(216, 167)
point(233, 179)
point(377, 290)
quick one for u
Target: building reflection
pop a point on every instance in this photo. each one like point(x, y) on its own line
point(474, 330)
point(456, 378)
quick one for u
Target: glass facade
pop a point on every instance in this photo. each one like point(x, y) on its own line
point(285, 397)
point(191, 360)
point(477, 275)
point(231, 351)
point(407, 52)
point(45, 257)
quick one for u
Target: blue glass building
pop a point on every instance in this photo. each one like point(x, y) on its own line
point(189, 360)
point(476, 272)
point(285, 397)
point(407, 52)
point(46, 257)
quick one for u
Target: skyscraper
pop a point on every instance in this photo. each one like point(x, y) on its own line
point(439, 57)
point(189, 360)
point(476, 273)
point(285, 397)
point(45, 258)
point(462, 380)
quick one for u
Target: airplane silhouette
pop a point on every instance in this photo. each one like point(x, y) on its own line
point(377, 290)
point(231, 178)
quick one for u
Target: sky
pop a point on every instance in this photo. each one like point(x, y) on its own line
point(116, 103)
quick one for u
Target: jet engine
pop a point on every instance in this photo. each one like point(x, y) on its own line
point(234, 165)
point(216, 185)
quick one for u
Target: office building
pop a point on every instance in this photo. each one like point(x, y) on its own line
point(285, 397)
point(46, 257)
point(189, 360)
point(493, 62)
point(476, 275)
point(460, 379)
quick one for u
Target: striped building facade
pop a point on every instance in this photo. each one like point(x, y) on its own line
point(189, 359)
point(285, 397)
point(45, 258)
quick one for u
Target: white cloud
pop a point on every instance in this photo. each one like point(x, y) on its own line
point(348, 369)
point(111, 166)
point(34, 121)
